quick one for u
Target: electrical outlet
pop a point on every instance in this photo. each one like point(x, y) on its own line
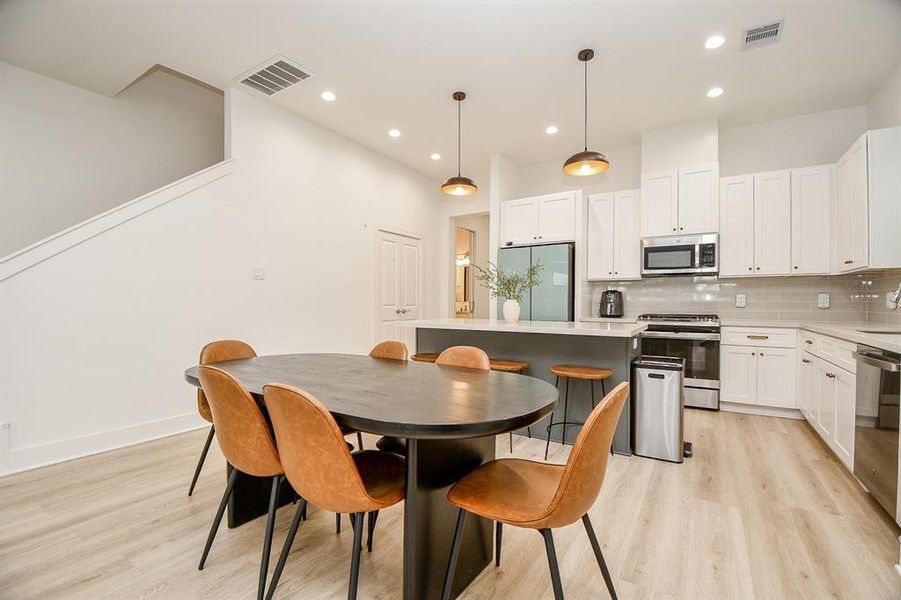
point(822, 300)
point(258, 273)
point(741, 300)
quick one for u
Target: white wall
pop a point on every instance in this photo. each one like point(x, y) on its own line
point(548, 177)
point(94, 341)
point(67, 154)
point(683, 145)
point(806, 140)
point(884, 108)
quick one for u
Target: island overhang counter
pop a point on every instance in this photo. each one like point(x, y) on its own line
point(543, 344)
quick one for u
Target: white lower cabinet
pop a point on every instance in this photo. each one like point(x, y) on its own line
point(738, 374)
point(761, 376)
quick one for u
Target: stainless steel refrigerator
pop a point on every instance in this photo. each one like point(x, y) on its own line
point(552, 300)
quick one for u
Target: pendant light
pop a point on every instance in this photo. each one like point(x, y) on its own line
point(459, 185)
point(587, 162)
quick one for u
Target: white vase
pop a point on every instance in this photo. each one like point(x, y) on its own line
point(511, 311)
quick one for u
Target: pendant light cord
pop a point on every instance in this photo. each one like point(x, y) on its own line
point(586, 105)
point(458, 138)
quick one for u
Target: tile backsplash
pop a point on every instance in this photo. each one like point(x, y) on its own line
point(852, 297)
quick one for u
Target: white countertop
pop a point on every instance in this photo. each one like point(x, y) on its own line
point(619, 329)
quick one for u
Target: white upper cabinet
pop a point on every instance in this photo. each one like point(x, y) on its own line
point(699, 199)
point(852, 243)
point(542, 219)
point(660, 203)
point(810, 220)
point(772, 223)
point(614, 242)
point(737, 226)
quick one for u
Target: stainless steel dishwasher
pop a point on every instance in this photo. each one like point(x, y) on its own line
point(876, 431)
point(658, 405)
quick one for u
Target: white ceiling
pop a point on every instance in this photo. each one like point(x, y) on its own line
point(395, 64)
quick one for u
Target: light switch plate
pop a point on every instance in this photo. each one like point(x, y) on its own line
point(741, 300)
point(822, 300)
point(258, 273)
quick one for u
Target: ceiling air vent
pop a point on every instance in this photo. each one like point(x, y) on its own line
point(763, 35)
point(274, 75)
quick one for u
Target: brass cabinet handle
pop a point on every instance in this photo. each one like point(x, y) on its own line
point(808, 341)
point(805, 361)
point(753, 354)
point(830, 375)
point(849, 261)
point(758, 337)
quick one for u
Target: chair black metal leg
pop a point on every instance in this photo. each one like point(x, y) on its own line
point(355, 559)
point(592, 393)
point(511, 442)
point(206, 448)
point(598, 555)
point(552, 562)
point(289, 541)
point(565, 411)
point(337, 522)
point(603, 389)
point(455, 552)
point(373, 517)
point(550, 426)
point(498, 537)
point(218, 519)
point(359, 440)
point(267, 539)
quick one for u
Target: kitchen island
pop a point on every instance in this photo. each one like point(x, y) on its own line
point(543, 344)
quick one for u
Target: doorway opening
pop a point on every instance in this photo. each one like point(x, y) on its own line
point(470, 248)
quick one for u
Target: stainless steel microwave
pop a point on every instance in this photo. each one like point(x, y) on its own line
point(680, 255)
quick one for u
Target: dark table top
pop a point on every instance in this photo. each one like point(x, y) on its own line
point(406, 399)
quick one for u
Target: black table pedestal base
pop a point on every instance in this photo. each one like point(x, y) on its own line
point(250, 497)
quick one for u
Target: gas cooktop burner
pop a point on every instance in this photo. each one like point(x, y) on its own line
point(680, 318)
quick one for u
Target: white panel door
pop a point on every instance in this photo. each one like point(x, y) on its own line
point(805, 396)
point(859, 204)
point(600, 236)
point(699, 199)
point(736, 226)
point(519, 222)
point(659, 203)
point(772, 223)
point(824, 379)
point(811, 224)
point(557, 218)
point(845, 391)
point(844, 211)
point(738, 374)
point(776, 383)
point(399, 290)
point(626, 235)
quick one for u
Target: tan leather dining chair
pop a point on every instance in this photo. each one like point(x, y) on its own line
point(389, 349)
point(249, 447)
point(542, 496)
point(215, 352)
point(468, 357)
point(323, 471)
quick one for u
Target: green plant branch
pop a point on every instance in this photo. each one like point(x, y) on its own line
point(512, 285)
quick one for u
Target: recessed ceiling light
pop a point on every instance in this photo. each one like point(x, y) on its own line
point(394, 132)
point(435, 156)
point(551, 129)
point(714, 92)
point(328, 96)
point(714, 42)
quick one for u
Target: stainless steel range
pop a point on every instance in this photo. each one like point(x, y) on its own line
point(696, 338)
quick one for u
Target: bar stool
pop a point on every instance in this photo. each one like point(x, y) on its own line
point(510, 366)
point(426, 357)
point(568, 372)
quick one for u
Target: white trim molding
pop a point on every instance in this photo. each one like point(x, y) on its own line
point(765, 411)
point(38, 252)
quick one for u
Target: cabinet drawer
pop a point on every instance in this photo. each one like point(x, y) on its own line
point(760, 337)
point(809, 342)
point(835, 351)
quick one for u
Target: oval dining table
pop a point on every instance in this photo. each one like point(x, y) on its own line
point(449, 416)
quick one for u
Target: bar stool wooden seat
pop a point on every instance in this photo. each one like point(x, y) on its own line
point(509, 366)
point(427, 357)
point(568, 372)
point(541, 496)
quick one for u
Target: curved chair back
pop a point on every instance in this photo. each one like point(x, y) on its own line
point(316, 458)
point(587, 463)
point(243, 433)
point(216, 352)
point(468, 357)
point(390, 349)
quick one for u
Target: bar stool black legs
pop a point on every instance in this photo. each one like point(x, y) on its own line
point(565, 422)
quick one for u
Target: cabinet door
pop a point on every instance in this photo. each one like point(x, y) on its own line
point(859, 205)
point(737, 226)
point(626, 235)
point(519, 222)
point(738, 374)
point(557, 218)
point(599, 261)
point(776, 381)
point(810, 200)
point(772, 223)
point(844, 210)
point(845, 389)
point(824, 379)
point(699, 199)
point(659, 203)
point(805, 396)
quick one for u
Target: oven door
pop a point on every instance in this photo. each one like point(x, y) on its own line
point(701, 351)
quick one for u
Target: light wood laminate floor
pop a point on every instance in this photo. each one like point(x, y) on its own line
point(763, 510)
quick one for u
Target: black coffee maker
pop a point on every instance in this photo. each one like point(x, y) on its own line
point(611, 304)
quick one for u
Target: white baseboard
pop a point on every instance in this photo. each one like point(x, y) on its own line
point(764, 411)
point(26, 458)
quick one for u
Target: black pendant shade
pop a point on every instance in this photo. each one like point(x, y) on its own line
point(587, 162)
point(459, 185)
